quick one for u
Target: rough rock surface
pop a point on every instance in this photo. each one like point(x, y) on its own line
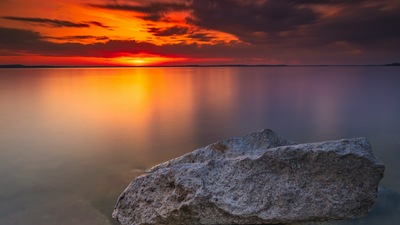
point(261, 178)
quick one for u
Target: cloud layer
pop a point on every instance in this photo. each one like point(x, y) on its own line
point(56, 23)
point(283, 31)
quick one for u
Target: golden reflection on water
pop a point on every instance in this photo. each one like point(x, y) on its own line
point(142, 102)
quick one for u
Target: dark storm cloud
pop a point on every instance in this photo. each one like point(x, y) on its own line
point(49, 22)
point(201, 36)
point(56, 23)
point(10, 36)
point(361, 26)
point(170, 31)
point(181, 31)
point(250, 21)
point(96, 23)
point(22, 42)
point(79, 38)
point(155, 11)
point(297, 23)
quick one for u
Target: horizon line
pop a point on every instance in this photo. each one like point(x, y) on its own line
point(16, 66)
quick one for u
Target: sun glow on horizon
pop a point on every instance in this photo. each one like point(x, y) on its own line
point(146, 60)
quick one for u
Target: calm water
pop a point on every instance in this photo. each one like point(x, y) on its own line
point(72, 139)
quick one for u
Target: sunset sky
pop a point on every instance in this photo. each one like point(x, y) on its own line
point(182, 32)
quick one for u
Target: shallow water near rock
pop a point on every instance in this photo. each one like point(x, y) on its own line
point(72, 139)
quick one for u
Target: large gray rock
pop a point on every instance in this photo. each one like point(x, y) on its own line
point(261, 178)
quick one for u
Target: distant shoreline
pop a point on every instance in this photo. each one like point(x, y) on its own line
point(17, 66)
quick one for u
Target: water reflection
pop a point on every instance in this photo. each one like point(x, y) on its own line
point(83, 134)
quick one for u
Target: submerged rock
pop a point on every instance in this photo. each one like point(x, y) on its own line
point(261, 178)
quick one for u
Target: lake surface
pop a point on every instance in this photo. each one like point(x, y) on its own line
point(72, 139)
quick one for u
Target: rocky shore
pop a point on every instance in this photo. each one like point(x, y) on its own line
point(261, 178)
